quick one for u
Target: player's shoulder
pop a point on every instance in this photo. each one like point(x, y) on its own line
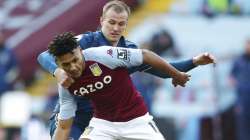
point(102, 54)
point(87, 36)
point(130, 44)
point(96, 51)
point(88, 39)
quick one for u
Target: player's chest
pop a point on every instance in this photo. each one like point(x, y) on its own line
point(97, 78)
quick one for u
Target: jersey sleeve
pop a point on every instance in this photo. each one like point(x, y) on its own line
point(47, 62)
point(67, 104)
point(114, 57)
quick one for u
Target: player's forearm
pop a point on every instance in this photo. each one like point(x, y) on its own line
point(183, 66)
point(158, 63)
point(63, 129)
point(47, 62)
point(61, 134)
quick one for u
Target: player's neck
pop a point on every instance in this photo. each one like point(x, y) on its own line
point(114, 44)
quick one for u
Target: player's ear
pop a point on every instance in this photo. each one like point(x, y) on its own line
point(78, 49)
point(101, 20)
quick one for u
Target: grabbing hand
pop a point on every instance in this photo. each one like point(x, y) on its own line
point(204, 59)
point(63, 78)
point(181, 79)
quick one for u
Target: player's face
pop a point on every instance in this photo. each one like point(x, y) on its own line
point(72, 63)
point(113, 25)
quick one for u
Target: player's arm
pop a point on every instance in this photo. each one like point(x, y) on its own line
point(63, 129)
point(47, 61)
point(183, 66)
point(115, 57)
point(66, 114)
point(163, 66)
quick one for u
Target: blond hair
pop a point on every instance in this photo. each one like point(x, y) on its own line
point(117, 5)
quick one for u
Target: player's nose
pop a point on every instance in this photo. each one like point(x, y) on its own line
point(116, 28)
point(73, 67)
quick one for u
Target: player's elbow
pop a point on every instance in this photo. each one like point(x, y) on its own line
point(145, 51)
point(40, 57)
point(147, 56)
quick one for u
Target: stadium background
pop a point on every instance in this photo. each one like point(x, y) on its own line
point(204, 110)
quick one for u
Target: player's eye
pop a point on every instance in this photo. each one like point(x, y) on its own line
point(75, 60)
point(122, 23)
point(65, 64)
point(111, 22)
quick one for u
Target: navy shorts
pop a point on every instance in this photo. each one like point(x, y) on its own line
point(80, 122)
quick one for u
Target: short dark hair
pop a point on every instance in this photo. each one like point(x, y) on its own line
point(62, 44)
point(117, 5)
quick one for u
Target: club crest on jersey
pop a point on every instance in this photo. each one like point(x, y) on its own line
point(95, 69)
point(123, 54)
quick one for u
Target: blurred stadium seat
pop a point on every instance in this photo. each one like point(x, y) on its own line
point(15, 109)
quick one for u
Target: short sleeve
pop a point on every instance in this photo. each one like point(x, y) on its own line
point(67, 104)
point(114, 57)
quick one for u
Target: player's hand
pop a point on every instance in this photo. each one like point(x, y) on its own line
point(204, 59)
point(63, 78)
point(181, 79)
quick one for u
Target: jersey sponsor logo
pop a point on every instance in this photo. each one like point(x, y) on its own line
point(95, 69)
point(123, 54)
point(90, 88)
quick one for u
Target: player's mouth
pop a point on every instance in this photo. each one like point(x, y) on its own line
point(115, 34)
point(75, 74)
